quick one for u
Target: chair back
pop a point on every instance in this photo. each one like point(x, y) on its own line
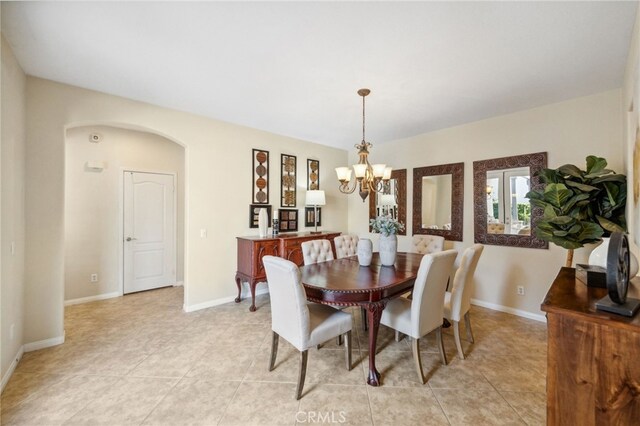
point(495, 228)
point(463, 282)
point(425, 244)
point(289, 311)
point(427, 304)
point(346, 245)
point(315, 251)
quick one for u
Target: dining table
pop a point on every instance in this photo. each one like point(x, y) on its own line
point(343, 282)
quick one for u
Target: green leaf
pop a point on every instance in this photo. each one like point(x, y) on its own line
point(571, 170)
point(549, 212)
point(557, 194)
point(590, 231)
point(560, 233)
point(610, 178)
point(610, 225)
point(562, 220)
point(574, 200)
point(549, 176)
point(581, 186)
point(595, 164)
point(568, 244)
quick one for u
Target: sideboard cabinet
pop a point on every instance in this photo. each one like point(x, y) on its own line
point(251, 250)
point(593, 373)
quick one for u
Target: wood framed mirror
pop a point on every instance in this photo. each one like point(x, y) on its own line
point(503, 216)
point(392, 200)
point(438, 200)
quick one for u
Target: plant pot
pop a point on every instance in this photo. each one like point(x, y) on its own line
point(599, 255)
point(388, 249)
point(365, 252)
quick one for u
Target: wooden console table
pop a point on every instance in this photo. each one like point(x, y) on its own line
point(593, 372)
point(252, 249)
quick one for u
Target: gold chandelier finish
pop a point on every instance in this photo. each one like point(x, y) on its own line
point(369, 179)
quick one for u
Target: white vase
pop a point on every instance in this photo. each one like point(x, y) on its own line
point(599, 255)
point(388, 249)
point(365, 251)
point(263, 223)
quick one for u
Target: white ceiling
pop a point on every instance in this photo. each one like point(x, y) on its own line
point(294, 68)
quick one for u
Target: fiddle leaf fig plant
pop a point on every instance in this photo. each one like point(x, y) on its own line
point(580, 206)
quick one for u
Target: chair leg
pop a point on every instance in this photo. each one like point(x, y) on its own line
point(365, 322)
point(339, 340)
point(347, 348)
point(467, 325)
point(415, 346)
point(443, 355)
point(456, 337)
point(274, 350)
point(398, 336)
point(302, 373)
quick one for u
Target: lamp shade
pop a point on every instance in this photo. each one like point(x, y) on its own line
point(315, 198)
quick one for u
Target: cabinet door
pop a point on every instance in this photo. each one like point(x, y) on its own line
point(266, 248)
point(293, 251)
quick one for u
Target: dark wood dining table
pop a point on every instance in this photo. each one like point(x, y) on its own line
point(343, 282)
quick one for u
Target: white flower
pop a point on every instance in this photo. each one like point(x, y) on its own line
point(386, 225)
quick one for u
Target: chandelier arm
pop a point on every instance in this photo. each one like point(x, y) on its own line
point(344, 187)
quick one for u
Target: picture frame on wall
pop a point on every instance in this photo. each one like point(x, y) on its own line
point(254, 212)
point(313, 174)
point(288, 220)
point(288, 181)
point(309, 216)
point(260, 181)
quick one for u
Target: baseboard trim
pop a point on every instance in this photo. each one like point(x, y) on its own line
point(508, 310)
point(179, 284)
point(92, 298)
point(221, 301)
point(12, 368)
point(41, 344)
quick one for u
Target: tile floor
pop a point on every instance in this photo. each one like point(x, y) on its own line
point(140, 359)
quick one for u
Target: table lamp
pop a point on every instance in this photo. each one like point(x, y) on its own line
point(315, 198)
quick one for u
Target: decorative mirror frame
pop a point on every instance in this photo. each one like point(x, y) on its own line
point(536, 162)
point(456, 170)
point(401, 185)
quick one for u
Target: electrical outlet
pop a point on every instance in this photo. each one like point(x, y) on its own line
point(521, 290)
point(94, 278)
point(203, 233)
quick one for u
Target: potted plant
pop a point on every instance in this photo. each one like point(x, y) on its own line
point(388, 228)
point(580, 206)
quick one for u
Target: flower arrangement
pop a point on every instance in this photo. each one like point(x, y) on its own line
point(386, 225)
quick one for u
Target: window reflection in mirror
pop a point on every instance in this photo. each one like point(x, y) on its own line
point(508, 210)
point(436, 202)
point(392, 200)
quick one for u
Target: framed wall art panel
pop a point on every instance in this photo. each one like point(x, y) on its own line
point(313, 174)
point(260, 181)
point(288, 183)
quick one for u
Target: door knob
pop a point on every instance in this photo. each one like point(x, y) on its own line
point(131, 239)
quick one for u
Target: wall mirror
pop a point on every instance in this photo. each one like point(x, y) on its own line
point(438, 200)
point(392, 200)
point(502, 214)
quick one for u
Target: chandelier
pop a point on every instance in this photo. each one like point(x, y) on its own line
point(369, 179)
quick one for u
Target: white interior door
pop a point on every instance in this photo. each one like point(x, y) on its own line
point(149, 231)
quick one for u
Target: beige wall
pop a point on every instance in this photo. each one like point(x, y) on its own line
point(93, 202)
point(13, 109)
point(217, 190)
point(568, 131)
point(631, 111)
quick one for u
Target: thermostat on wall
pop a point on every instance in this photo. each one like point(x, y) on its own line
point(95, 137)
point(95, 165)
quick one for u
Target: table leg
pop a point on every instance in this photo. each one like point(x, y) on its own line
point(374, 313)
point(239, 284)
point(252, 285)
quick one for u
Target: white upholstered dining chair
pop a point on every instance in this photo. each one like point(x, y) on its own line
point(346, 245)
point(425, 244)
point(302, 324)
point(458, 302)
point(423, 313)
point(315, 251)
